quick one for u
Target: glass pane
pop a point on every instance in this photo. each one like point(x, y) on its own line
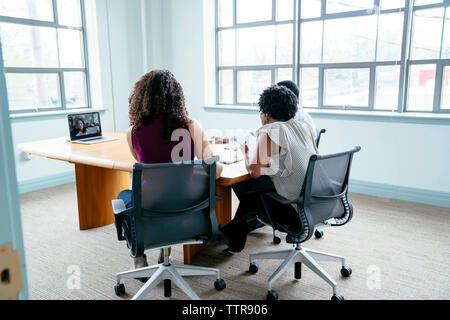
point(226, 87)
point(309, 87)
point(33, 91)
point(424, 2)
point(334, 6)
point(446, 38)
point(427, 32)
point(350, 39)
point(225, 13)
point(284, 74)
point(445, 101)
point(311, 42)
point(28, 46)
point(254, 10)
point(256, 46)
point(27, 9)
point(251, 84)
point(311, 9)
point(70, 48)
point(387, 87)
point(285, 10)
point(75, 85)
point(390, 36)
point(421, 87)
point(347, 87)
point(69, 13)
point(391, 4)
point(227, 48)
point(285, 40)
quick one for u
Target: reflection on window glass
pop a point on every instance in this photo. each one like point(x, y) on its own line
point(75, 84)
point(256, 46)
point(226, 87)
point(350, 39)
point(422, 80)
point(29, 46)
point(427, 32)
point(309, 87)
point(445, 100)
point(391, 4)
point(311, 42)
point(69, 13)
point(285, 10)
point(251, 84)
point(387, 87)
point(285, 43)
point(227, 47)
point(390, 35)
point(27, 9)
point(284, 74)
point(424, 2)
point(347, 87)
point(311, 9)
point(254, 10)
point(446, 38)
point(70, 48)
point(335, 6)
point(225, 13)
point(33, 91)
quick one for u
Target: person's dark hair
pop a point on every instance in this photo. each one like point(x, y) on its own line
point(84, 125)
point(279, 103)
point(158, 94)
point(291, 85)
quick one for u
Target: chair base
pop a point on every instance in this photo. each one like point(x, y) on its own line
point(297, 255)
point(167, 271)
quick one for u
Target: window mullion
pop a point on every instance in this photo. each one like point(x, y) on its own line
point(406, 47)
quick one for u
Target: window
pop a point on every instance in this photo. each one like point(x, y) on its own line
point(377, 55)
point(44, 48)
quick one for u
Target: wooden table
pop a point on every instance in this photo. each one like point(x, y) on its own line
point(103, 170)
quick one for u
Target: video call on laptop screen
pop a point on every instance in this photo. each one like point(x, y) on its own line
point(84, 126)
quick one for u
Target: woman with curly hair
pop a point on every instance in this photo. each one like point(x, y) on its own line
point(161, 130)
point(278, 164)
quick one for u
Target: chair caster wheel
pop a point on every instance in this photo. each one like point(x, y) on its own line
point(220, 284)
point(272, 295)
point(346, 272)
point(337, 297)
point(276, 239)
point(119, 289)
point(254, 267)
point(167, 288)
point(318, 234)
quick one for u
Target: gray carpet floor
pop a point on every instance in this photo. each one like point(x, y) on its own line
point(397, 250)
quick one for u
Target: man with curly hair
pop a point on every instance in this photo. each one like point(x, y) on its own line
point(278, 164)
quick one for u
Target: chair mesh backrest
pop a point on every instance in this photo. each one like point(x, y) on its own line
point(174, 188)
point(329, 178)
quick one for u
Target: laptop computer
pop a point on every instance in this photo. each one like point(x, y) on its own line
point(86, 128)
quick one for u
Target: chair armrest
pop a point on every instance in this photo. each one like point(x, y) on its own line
point(118, 206)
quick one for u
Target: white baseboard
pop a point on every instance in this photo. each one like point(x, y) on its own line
point(46, 182)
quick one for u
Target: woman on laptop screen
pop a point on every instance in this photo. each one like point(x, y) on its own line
point(157, 115)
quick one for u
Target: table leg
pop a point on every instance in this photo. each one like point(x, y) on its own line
point(223, 213)
point(96, 188)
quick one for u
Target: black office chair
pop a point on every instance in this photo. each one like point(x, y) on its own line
point(319, 232)
point(324, 198)
point(173, 204)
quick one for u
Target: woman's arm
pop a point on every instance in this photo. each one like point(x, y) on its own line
point(130, 142)
point(259, 159)
point(202, 148)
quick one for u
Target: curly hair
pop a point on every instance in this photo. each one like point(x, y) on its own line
point(291, 85)
point(158, 94)
point(279, 103)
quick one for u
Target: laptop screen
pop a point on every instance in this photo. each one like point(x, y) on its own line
point(82, 126)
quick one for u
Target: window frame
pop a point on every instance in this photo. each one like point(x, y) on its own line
point(58, 71)
point(404, 61)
